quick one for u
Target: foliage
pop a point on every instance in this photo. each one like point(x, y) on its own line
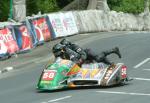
point(4, 10)
point(63, 3)
point(45, 6)
point(130, 6)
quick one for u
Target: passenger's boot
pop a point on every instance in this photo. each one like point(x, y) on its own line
point(117, 51)
point(108, 62)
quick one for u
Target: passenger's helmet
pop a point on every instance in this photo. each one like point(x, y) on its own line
point(65, 42)
point(57, 49)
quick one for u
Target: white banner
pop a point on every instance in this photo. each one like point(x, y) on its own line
point(69, 23)
point(57, 24)
point(63, 24)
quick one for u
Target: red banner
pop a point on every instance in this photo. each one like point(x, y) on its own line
point(26, 39)
point(8, 41)
point(42, 30)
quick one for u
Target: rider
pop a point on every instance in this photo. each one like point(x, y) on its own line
point(64, 52)
point(85, 55)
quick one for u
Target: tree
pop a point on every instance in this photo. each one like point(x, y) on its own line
point(45, 6)
point(31, 7)
point(128, 6)
point(4, 9)
point(63, 3)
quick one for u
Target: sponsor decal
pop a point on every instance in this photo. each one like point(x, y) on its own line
point(74, 70)
point(94, 73)
point(45, 82)
point(64, 72)
point(108, 74)
point(123, 71)
point(85, 73)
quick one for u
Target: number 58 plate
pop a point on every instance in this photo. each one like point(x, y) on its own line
point(48, 75)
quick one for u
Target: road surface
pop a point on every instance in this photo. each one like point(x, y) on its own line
point(19, 86)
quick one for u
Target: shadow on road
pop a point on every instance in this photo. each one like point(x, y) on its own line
point(79, 88)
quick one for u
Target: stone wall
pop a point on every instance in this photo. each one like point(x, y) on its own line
point(97, 20)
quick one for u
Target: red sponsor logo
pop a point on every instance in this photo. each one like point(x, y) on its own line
point(124, 72)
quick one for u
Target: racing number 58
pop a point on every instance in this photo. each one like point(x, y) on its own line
point(48, 75)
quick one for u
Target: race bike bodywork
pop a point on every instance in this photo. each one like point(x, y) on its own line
point(65, 74)
point(97, 74)
point(55, 75)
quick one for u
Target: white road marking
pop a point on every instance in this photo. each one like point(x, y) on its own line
point(146, 69)
point(58, 99)
point(9, 68)
point(141, 63)
point(124, 93)
point(144, 79)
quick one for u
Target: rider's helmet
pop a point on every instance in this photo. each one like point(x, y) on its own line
point(57, 49)
point(65, 42)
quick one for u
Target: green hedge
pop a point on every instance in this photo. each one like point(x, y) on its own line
point(4, 9)
point(128, 6)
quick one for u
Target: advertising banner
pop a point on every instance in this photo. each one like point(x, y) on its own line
point(69, 23)
point(7, 42)
point(63, 24)
point(23, 37)
point(57, 25)
point(41, 29)
point(32, 32)
point(3, 48)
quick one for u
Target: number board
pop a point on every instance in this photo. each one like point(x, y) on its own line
point(48, 75)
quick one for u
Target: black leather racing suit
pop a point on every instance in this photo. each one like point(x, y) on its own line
point(71, 55)
point(88, 56)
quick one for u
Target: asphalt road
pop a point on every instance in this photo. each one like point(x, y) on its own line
point(19, 86)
